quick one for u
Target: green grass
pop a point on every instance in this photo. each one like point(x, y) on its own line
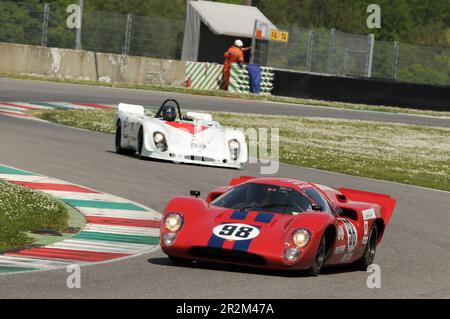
point(24, 210)
point(416, 155)
point(279, 99)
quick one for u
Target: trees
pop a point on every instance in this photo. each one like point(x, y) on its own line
point(410, 21)
point(158, 29)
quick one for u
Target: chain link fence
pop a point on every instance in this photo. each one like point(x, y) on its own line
point(339, 53)
point(45, 24)
point(21, 22)
point(317, 51)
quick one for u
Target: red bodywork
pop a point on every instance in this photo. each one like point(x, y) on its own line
point(346, 231)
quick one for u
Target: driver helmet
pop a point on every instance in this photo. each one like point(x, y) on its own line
point(169, 113)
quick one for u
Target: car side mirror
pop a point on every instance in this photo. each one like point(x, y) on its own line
point(316, 208)
point(196, 194)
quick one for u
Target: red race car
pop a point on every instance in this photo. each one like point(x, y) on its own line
point(276, 223)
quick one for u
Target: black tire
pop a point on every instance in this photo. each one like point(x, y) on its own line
point(319, 259)
point(140, 145)
point(118, 137)
point(370, 251)
point(180, 261)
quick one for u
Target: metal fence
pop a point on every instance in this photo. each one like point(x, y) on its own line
point(318, 51)
point(45, 24)
point(339, 53)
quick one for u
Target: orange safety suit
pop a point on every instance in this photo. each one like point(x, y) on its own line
point(233, 54)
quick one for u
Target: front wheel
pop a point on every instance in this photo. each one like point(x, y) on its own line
point(118, 139)
point(140, 145)
point(318, 260)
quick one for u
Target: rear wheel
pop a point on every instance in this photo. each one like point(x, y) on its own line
point(318, 260)
point(370, 251)
point(119, 148)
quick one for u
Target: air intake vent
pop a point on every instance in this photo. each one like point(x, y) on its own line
point(236, 256)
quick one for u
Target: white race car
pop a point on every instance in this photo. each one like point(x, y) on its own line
point(193, 138)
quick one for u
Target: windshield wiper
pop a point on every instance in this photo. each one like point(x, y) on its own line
point(265, 206)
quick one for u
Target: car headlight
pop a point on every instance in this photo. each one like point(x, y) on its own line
point(158, 137)
point(169, 239)
point(301, 237)
point(291, 254)
point(173, 222)
point(234, 146)
point(160, 141)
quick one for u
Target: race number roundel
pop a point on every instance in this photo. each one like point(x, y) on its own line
point(236, 231)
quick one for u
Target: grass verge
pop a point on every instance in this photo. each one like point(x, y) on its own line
point(416, 155)
point(23, 210)
point(279, 99)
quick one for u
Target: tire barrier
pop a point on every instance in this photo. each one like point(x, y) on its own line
point(208, 76)
point(240, 79)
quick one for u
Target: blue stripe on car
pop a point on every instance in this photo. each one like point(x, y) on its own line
point(263, 218)
point(242, 245)
point(239, 215)
point(215, 241)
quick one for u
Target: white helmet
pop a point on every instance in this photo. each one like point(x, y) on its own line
point(238, 43)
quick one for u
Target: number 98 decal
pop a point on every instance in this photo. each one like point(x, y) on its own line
point(236, 231)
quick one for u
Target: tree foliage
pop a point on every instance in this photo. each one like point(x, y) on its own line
point(159, 26)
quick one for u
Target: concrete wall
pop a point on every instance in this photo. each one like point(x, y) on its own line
point(141, 70)
point(85, 65)
point(53, 62)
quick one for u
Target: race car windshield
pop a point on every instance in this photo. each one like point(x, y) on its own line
point(264, 197)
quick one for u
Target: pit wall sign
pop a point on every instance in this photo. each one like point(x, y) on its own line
point(264, 32)
point(280, 36)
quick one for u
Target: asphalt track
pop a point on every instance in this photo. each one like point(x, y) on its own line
point(35, 91)
point(414, 255)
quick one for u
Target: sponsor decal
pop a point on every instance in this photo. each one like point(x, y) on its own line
point(352, 238)
point(339, 250)
point(369, 214)
point(236, 231)
point(340, 232)
point(366, 232)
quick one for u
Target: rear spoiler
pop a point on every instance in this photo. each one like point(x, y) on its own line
point(239, 180)
point(386, 202)
point(131, 108)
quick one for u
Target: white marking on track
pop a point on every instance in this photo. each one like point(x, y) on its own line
point(123, 230)
point(130, 214)
point(85, 196)
point(95, 246)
